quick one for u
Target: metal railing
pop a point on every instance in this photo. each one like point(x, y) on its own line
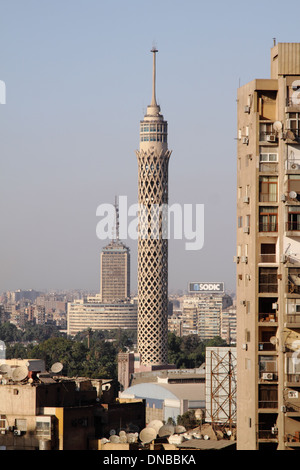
point(268, 404)
point(267, 258)
point(293, 318)
point(293, 378)
point(293, 226)
point(268, 227)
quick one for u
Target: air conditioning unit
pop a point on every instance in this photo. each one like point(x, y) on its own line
point(275, 306)
point(247, 109)
point(17, 432)
point(292, 394)
point(246, 229)
point(244, 259)
point(271, 138)
point(274, 430)
point(246, 199)
point(267, 376)
point(245, 346)
point(294, 166)
point(245, 140)
point(236, 259)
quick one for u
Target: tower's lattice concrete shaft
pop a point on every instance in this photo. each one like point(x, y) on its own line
point(153, 160)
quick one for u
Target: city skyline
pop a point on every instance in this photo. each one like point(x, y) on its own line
point(75, 93)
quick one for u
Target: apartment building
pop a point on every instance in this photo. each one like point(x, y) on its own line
point(268, 256)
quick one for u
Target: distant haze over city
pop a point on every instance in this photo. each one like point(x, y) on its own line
point(78, 80)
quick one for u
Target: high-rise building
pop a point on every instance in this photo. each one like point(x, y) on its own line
point(268, 256)
point(115, 269)
point(153, 160)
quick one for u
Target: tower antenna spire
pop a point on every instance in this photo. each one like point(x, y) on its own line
point(117, 218)
point(153, 101)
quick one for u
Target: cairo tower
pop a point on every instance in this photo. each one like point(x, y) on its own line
point(153, 160)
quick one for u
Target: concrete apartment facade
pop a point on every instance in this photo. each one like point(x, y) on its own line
point(268, 256)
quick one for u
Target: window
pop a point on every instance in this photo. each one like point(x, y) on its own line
point(268, 189)
point(266, 132)
point(293, 180)
point(43, 428)
point(268, 219)
point(293, 123)
point(268, 280)
point(268, 157)
point(268, 253)
point(293, 218)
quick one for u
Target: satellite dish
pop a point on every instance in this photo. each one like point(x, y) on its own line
point(131, 438)
point(19, 373)
point(206, 437)
point(277, 126)
point(114, 439)
point(166, 430)
point(293, 194)
point(57, 367)
point(112, 432)
point(6, 370)
point(122, 439)
point(155, 424)
point(105, 387)
point(179, 429)
point(273, 340)
point(147, 435)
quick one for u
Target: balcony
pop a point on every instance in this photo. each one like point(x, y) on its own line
point(293, 380)
point(268, 227)
point(293, 320)
point(268, 137)
point(266, 346)
point(292, 440)
point(292, 226)
point(268, 167)
point(267, 318)
point(267, 258)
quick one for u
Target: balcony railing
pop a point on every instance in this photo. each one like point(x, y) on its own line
point(268, 287)
point(293, 318)
point(293, 378)
point(268, 227)
point(267, 197)
point(267, 258)
point(268, 136)
point(267, 404)
point(269, 167)
point(293, 226)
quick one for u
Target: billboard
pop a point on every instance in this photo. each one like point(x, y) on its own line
point(206, 287)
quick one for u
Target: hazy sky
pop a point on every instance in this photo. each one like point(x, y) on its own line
point(78, 79)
